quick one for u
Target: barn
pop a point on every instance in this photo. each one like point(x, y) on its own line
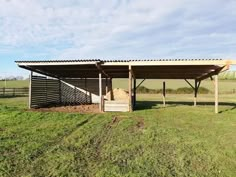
point(87, 81)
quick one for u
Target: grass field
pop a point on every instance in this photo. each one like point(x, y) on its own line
point(15, 84)
point(179, 140)
point(225, 86)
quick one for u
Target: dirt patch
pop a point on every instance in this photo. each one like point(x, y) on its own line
point(140, 125)
point(115, 120)
point(93, 108)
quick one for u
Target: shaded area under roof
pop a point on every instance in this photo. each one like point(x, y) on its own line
point(142, 69)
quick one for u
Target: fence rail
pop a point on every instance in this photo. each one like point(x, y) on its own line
point(14, 92)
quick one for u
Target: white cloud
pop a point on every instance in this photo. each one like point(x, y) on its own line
point(118, 28)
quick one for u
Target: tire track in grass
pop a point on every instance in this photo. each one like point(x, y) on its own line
point(89, 154)
point(81, 158)
point(49, 146)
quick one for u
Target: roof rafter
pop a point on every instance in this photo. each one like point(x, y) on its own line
point(215, 72)
point(98, 65)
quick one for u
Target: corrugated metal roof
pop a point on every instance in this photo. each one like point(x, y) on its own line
point(109, 60)
point(119, 68)
point(56, 61)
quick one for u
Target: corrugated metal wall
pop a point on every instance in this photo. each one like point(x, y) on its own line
point(53, 92)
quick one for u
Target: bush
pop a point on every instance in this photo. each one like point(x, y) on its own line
point(142, 89)
point(185, 90)
point(182, 90)
point(203, 90)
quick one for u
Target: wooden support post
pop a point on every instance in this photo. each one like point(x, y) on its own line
point(110, 84)
point(195, 93)
point(134, 90)
point(111, 90)
point(100, 92)
point(106, 85)
point(216, 94)
point(130, 89)
point(164, 94)
point(30, 89)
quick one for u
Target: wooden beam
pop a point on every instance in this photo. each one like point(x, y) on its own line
point(189, 84)
point(106, 85)
point(134, 90)
point(199, 83)
point(130, 89)
point(140, 83)
point(55, 63)
point(164, 94)
point(30, 89)
point(195, 93)
point(205, 76)
point(170, 62)
point(111, 89)
point(132, 72)
point(39, 71)
point(100, 91)
point(216, 94)
point(98, 65)
point(196, 88)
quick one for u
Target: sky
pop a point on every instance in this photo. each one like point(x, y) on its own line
point(115, 29)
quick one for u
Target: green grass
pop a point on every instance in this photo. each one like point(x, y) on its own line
point(225, 86)
point(229, 75)
point(179, 140)
point(15, 84)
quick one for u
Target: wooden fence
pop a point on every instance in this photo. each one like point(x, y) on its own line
point(5, 92)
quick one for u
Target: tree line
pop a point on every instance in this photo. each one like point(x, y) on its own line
point(12, 78)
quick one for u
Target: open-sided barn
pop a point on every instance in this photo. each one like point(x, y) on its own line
point(70, 82)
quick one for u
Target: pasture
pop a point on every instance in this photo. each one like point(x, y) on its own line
point(225, 86)
point(15, 84)
point(179, 140)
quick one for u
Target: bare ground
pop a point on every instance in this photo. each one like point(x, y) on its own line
point(93, 108)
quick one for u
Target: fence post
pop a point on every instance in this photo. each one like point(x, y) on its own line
point(3, 91)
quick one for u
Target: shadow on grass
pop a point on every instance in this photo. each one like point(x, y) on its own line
point(141, 105)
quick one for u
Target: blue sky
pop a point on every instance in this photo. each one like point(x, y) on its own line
point(115, 29)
